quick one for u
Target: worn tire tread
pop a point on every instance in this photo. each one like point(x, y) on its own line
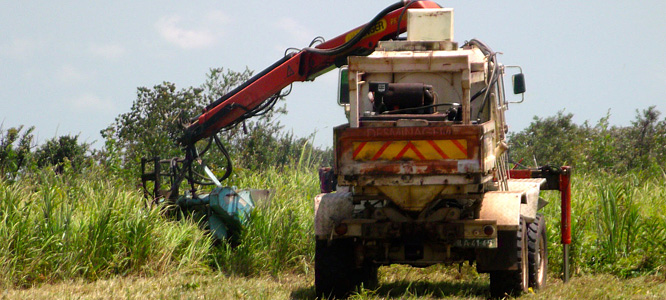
point(333, 268)
point(536, 231)
point(510, 282)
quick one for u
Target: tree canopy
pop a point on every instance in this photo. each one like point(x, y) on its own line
point(156, 120)
point(556, 140)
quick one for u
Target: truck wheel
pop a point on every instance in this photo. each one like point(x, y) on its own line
point(334, 266)
point(513, 282)
point(537, 246)
point(369, 277)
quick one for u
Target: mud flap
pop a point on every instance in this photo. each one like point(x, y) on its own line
point(501, 258)
point(330, 210)
point(531, 187)
point(504, 207)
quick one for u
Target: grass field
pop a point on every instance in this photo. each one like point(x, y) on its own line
point(397, 283)
point(91, 236)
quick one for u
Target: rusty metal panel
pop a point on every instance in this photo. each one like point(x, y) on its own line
point(380, 168)
point(411, 197)
point(487, 146)
point(423, 150)
point(503, 206)
point(388, 180)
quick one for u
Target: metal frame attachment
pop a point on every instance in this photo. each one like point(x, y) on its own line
point(560, 180)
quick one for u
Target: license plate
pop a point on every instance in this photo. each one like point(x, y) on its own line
point(476, 243)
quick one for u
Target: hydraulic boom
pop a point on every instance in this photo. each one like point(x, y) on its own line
point(262, 90)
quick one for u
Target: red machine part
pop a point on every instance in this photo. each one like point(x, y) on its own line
point(301, 66)
point(520, 174)
point(565, 194)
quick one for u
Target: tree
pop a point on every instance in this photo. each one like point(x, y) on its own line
point(154, 123)
point(60, 151)
point(156, 120)
point(554, 140)
point(557, 140)
point(646, 139)
point(15, 150)
point(602, 147)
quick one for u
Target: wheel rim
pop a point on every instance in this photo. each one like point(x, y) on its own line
point(541, 261)
point(525, 268)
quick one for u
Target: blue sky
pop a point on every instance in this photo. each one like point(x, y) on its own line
point(70, 67)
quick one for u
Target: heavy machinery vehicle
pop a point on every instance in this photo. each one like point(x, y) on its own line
point(420, 174)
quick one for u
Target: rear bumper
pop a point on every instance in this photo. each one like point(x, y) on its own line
point(456, 234)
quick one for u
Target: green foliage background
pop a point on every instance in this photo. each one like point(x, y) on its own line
point(556, 140)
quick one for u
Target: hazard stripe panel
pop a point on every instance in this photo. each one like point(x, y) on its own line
point(410, 150)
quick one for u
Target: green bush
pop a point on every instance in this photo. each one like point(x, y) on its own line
point(93, 225)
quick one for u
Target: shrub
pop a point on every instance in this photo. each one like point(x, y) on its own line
point(15, 147)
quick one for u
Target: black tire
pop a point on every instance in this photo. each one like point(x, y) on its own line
point(334, 266)
point(513, 282)
point(537, 246)
point(369, 277)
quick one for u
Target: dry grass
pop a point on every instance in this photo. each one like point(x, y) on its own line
point(398, 282)
point(211, 286)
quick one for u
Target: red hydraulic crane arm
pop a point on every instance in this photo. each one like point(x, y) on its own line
point(305, 65)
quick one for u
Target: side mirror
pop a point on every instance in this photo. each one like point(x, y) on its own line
point(343, 86)
point(518, 83)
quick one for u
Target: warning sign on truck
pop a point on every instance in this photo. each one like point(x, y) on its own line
point(410, 150)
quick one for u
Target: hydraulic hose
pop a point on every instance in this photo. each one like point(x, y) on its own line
point(346, 46)
point(494, 75)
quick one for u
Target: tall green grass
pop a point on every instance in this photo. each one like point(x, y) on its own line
point(88, 226)
point(618, 224)
point(93, 226)
point(280, 234)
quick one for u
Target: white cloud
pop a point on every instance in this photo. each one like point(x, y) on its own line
point(205, 32)
point(71, 75)
point(108, 51)
point(296, 30)
point(90, 102)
